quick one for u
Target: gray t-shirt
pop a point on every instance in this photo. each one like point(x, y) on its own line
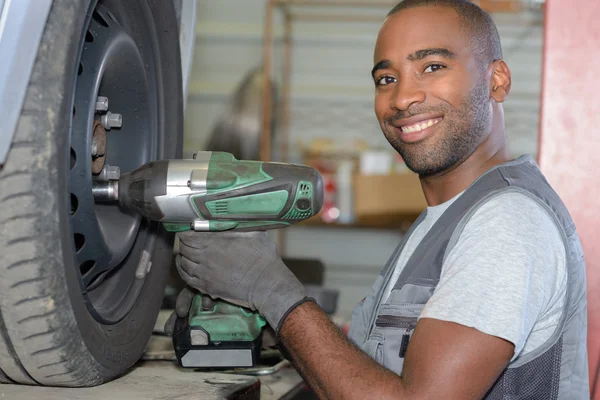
point(506, 275)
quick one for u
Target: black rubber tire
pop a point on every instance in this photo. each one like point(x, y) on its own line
point(47, 335)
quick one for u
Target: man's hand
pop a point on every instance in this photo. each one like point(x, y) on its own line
point(240, 267)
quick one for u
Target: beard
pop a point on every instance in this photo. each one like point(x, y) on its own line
point(459, 134)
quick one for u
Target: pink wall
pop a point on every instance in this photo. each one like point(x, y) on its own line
point(570, 134)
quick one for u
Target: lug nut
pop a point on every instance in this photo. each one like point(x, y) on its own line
point(110, 120)
point(94, 148)
point(113, 173)
point(109, 173)
point(101, 103)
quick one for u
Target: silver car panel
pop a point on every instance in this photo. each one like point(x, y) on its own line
point(187, 39)
point(22, 23)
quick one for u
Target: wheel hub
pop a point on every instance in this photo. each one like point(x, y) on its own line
point(109, 241)
point(98, 147)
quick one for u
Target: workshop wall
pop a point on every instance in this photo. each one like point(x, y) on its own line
point(332, 97)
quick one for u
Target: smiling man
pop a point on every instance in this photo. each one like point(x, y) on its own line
point(485, 296)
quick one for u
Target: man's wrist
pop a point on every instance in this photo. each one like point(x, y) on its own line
point(283, 325)
point(306, 299)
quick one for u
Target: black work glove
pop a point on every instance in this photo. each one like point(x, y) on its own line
point(182, 308)
point(242, 268)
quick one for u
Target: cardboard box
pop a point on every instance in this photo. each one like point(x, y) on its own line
point(397, 196)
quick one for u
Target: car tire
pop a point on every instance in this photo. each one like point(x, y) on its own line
point(50, 334)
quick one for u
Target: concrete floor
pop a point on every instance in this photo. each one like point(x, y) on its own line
point(164, 380)
point(157, 376)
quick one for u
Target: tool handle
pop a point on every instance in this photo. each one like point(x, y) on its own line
point(252, 195)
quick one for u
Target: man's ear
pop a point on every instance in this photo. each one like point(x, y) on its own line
point(501, 81)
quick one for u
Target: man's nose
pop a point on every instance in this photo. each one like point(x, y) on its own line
point(407, 93)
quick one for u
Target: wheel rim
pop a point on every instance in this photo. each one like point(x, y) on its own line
point(110, 244)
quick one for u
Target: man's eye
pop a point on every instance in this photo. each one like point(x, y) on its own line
point(385, 80)
point(433, 68)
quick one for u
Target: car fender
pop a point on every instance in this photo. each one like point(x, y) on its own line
point(22, 23)
point(186, 15)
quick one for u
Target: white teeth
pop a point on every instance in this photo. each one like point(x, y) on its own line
point(418, 127)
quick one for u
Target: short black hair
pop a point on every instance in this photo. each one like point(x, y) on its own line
point(482, 31)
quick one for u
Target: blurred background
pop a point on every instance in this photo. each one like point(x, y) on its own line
point(316, 108)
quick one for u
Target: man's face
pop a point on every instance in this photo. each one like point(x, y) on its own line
point(432, 94)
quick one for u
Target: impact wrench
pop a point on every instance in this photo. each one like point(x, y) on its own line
point(215, 192)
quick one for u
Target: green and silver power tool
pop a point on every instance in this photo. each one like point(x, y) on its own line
point(216, 192)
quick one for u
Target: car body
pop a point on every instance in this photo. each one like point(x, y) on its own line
point(21, 26)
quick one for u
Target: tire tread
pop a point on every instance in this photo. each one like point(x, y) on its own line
point(34, 317)
point(40, 339)
point(22, 239)
point(13, 367)
point(15, 173)
point(16, 196)
point(49, 349)
point(51, 364)
point(26, 143)
point(27, 182)
point(28, 280)
point(23, 262)
point(34, 335)
point(29, 299)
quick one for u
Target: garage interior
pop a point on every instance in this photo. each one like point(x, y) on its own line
point(289, 81)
